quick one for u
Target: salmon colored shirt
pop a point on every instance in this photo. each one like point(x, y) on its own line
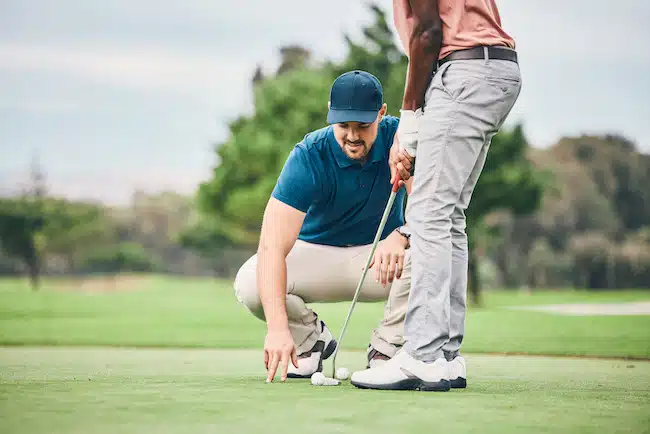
point(465, 24)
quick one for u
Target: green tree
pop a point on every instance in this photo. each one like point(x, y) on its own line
point(590, 218)
point(509, 182)
point(20, 223)
point(378, 54)
point(232, 202)
point(293, 103)
point(71, 229)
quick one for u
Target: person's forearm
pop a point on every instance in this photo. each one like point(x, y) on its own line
point(425, 41)
point(272, 284)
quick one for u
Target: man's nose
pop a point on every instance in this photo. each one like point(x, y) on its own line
point(353, 135)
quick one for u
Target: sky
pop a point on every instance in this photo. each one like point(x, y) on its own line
point(123, 95)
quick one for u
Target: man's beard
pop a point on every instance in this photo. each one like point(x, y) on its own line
point(361, 149)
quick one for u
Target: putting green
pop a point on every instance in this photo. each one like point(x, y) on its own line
point(111, 390)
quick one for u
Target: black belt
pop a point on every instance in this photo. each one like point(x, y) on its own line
point(492, 52)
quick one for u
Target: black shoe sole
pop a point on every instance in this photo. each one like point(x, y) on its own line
point(327, 353)
point(409, 384)
point(458, 383)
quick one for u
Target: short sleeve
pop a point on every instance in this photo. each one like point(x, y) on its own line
point(297, 183)
point(390, 124)
point(391, 128)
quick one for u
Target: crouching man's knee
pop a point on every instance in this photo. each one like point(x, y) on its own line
point(246, 290)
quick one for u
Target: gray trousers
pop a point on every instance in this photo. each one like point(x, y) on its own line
point(465, 106)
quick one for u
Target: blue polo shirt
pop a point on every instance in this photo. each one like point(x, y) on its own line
point(343, 199)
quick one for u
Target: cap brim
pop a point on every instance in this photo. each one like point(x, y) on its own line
point(339, 116)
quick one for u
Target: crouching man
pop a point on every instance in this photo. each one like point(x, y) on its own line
point(318, 229)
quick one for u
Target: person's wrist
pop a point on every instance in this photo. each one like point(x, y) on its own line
point(408, 121)
point(407, 131)
point(404, 235)
point(403, 239)
point(279, 325)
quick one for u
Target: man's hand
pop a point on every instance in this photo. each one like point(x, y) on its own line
point(407, 131)
point(278, 350)
point(400, 162)
point(389, 258)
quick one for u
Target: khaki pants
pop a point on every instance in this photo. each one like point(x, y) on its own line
point(318, 273)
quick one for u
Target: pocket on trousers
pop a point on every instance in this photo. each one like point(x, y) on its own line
point(454, 83)
point(510, 87)
point(508, 79)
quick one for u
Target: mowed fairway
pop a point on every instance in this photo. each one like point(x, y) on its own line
point(62, 369)
point(109, 390)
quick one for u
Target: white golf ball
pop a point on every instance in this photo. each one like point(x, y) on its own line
point(342, 373)
point(318, 379)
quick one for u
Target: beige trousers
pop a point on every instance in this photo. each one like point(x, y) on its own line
point(327, 274)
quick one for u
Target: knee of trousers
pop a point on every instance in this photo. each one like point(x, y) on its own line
point(458, 226)
point(430, 214)
point(432, 227)
point(246, 291)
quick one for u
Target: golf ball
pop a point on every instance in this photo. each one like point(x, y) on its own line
point(318, 379)
point(342, 373)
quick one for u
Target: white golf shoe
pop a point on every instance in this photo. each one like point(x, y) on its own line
point(312, 361)
point(403, 372)
point(457, 373)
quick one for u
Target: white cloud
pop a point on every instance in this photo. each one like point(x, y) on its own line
point(88, 185)
point(147, 69)
point(162, 77)
point(41, 106)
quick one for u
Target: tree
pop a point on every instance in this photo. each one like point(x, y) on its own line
point(20, 222)
point(294, 57)
point(156, 222)
point(290, 104)
point(509, 182)
point(233, 201)
point(70, 229)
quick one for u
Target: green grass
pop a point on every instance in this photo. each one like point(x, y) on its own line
point(219, 387)
point(167, 312)
point(110, 390)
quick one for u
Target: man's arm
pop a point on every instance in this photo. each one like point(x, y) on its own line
point(280, 227)
point(425, 40)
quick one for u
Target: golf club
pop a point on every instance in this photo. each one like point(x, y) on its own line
point(380, 229)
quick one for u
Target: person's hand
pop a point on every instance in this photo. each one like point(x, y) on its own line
point(400, 163)
point(407, 131)
point(279, 349)
point(389, 258)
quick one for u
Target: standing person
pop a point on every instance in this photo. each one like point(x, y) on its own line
point(318, 229)
point(462, 81)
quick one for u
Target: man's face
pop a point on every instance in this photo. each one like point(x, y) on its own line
point(355, 138)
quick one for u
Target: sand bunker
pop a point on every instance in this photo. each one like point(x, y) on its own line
point(633, 308)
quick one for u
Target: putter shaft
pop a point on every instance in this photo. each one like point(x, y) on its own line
point(380, 229)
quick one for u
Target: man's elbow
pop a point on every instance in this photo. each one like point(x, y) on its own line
point(428, 36)
point(272, 247)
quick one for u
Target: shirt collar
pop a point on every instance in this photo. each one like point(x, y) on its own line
point(344, 161)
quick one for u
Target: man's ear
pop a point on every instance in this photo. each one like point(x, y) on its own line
point(382, 112)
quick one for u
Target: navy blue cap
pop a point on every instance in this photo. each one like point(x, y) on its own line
point(356, 96)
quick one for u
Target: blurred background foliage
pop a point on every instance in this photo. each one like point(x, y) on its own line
point(576, 214)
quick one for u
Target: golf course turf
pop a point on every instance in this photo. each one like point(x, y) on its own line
point(174, 355)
